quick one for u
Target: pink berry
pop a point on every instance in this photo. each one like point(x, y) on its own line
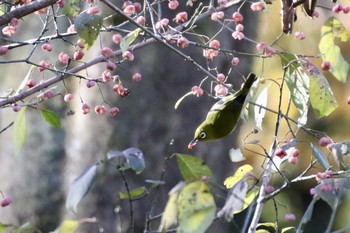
point(182, 42)
point(181, 17)
point(136, 77)
point(106, 76)
point(46, 47)
point(299, 35)
point(214, 44)
point(280, 152)
point(111, 66)
point(113, 111)
point(257, 6)
point(117, 38)
point(269, 189)
point(43, 64)
point(235, 61)
point(313, 191)
point(326, 65)
point(162, 23)
point(237, 17)
point(295, 152)
point(346, 9)
point(210, 53)
point(238, 35)
point(126, 3)
point(107, 52)
point(90, 83)
point(3, 50)
point(141, 20)
point(337, 8)
point(30, 83)
point(293, 160)
point(48, 94)
point(239, 27)
point(289, 217)
point(127, 55)
point(5, 201)
point(100, 110)
point(16, 107)
point(9, 30)
point(324, 141)
point(261, 46)
point(78, 55)
point(220, 77)
point(118, 88)
point(63, 57)
point(220, 90)
point(14, 22)
point(138, 6)
point(197, 91)
point(173, 4)
point(68, 97)
point(85, 108)
point(348, 100)
point(80, 44)
point(130, 10)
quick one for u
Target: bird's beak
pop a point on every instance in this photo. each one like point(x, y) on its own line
point(192, 143)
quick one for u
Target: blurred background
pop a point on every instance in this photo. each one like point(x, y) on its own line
point(38, 179)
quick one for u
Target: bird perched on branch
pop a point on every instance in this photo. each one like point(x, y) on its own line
point(223, 115)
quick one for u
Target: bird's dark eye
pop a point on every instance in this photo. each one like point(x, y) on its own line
point(202, 135)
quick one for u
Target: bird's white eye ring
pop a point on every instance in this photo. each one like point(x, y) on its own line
point(202, 135)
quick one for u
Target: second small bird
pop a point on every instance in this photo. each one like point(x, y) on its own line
point(223, 116)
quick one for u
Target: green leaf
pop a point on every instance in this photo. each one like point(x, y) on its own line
point(72, 7)
point(128, 39)
point(80, 187)
point(321, 96)
point(307, 215)
point(196, 208)
point(169, 216)
point(68, 226)
point(288, 229)
point(298, 85)
point(134, 194)
point(51, 118)
point(131, 158)
point(268, 227)
point(20, 130)
point(192, 168)
point(88, 27)
point(181, 99)
point(321, 158)
point(331, 30)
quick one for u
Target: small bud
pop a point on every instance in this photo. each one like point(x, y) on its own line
point(181, 17)
point(106, 76)
point(30, 83)
point(138, 6)
point(3, 50)
point(78, 55)
point(5, 201)
point(136, 77)
point(235, 61)
point(239, 27)
point(238, 35)
point(326, 65)
point(90, 83)
point(346, 9)
point(68, 97)
point(257, 6)
point(237, 17)
point(289, 217)
point(63, 58)
point(141, 20)
point(220, 90)
point(127, 55)
point(48, 94)
point(197, 91)
point(293, 160)
point(107, 52)
point(117, 38)
point(295, 152)
point(130, 10)
point(173, 4)
point(46, 47)
point(113, 111)
point(299, 35)
point(86, 108)
point(324, 141)
point(16, 107)
point(111, 66)
point(214, 44)
point(220, 77)
point(182, 42)
point(100, 110)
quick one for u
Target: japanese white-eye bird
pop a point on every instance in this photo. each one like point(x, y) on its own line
point(223, 115)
